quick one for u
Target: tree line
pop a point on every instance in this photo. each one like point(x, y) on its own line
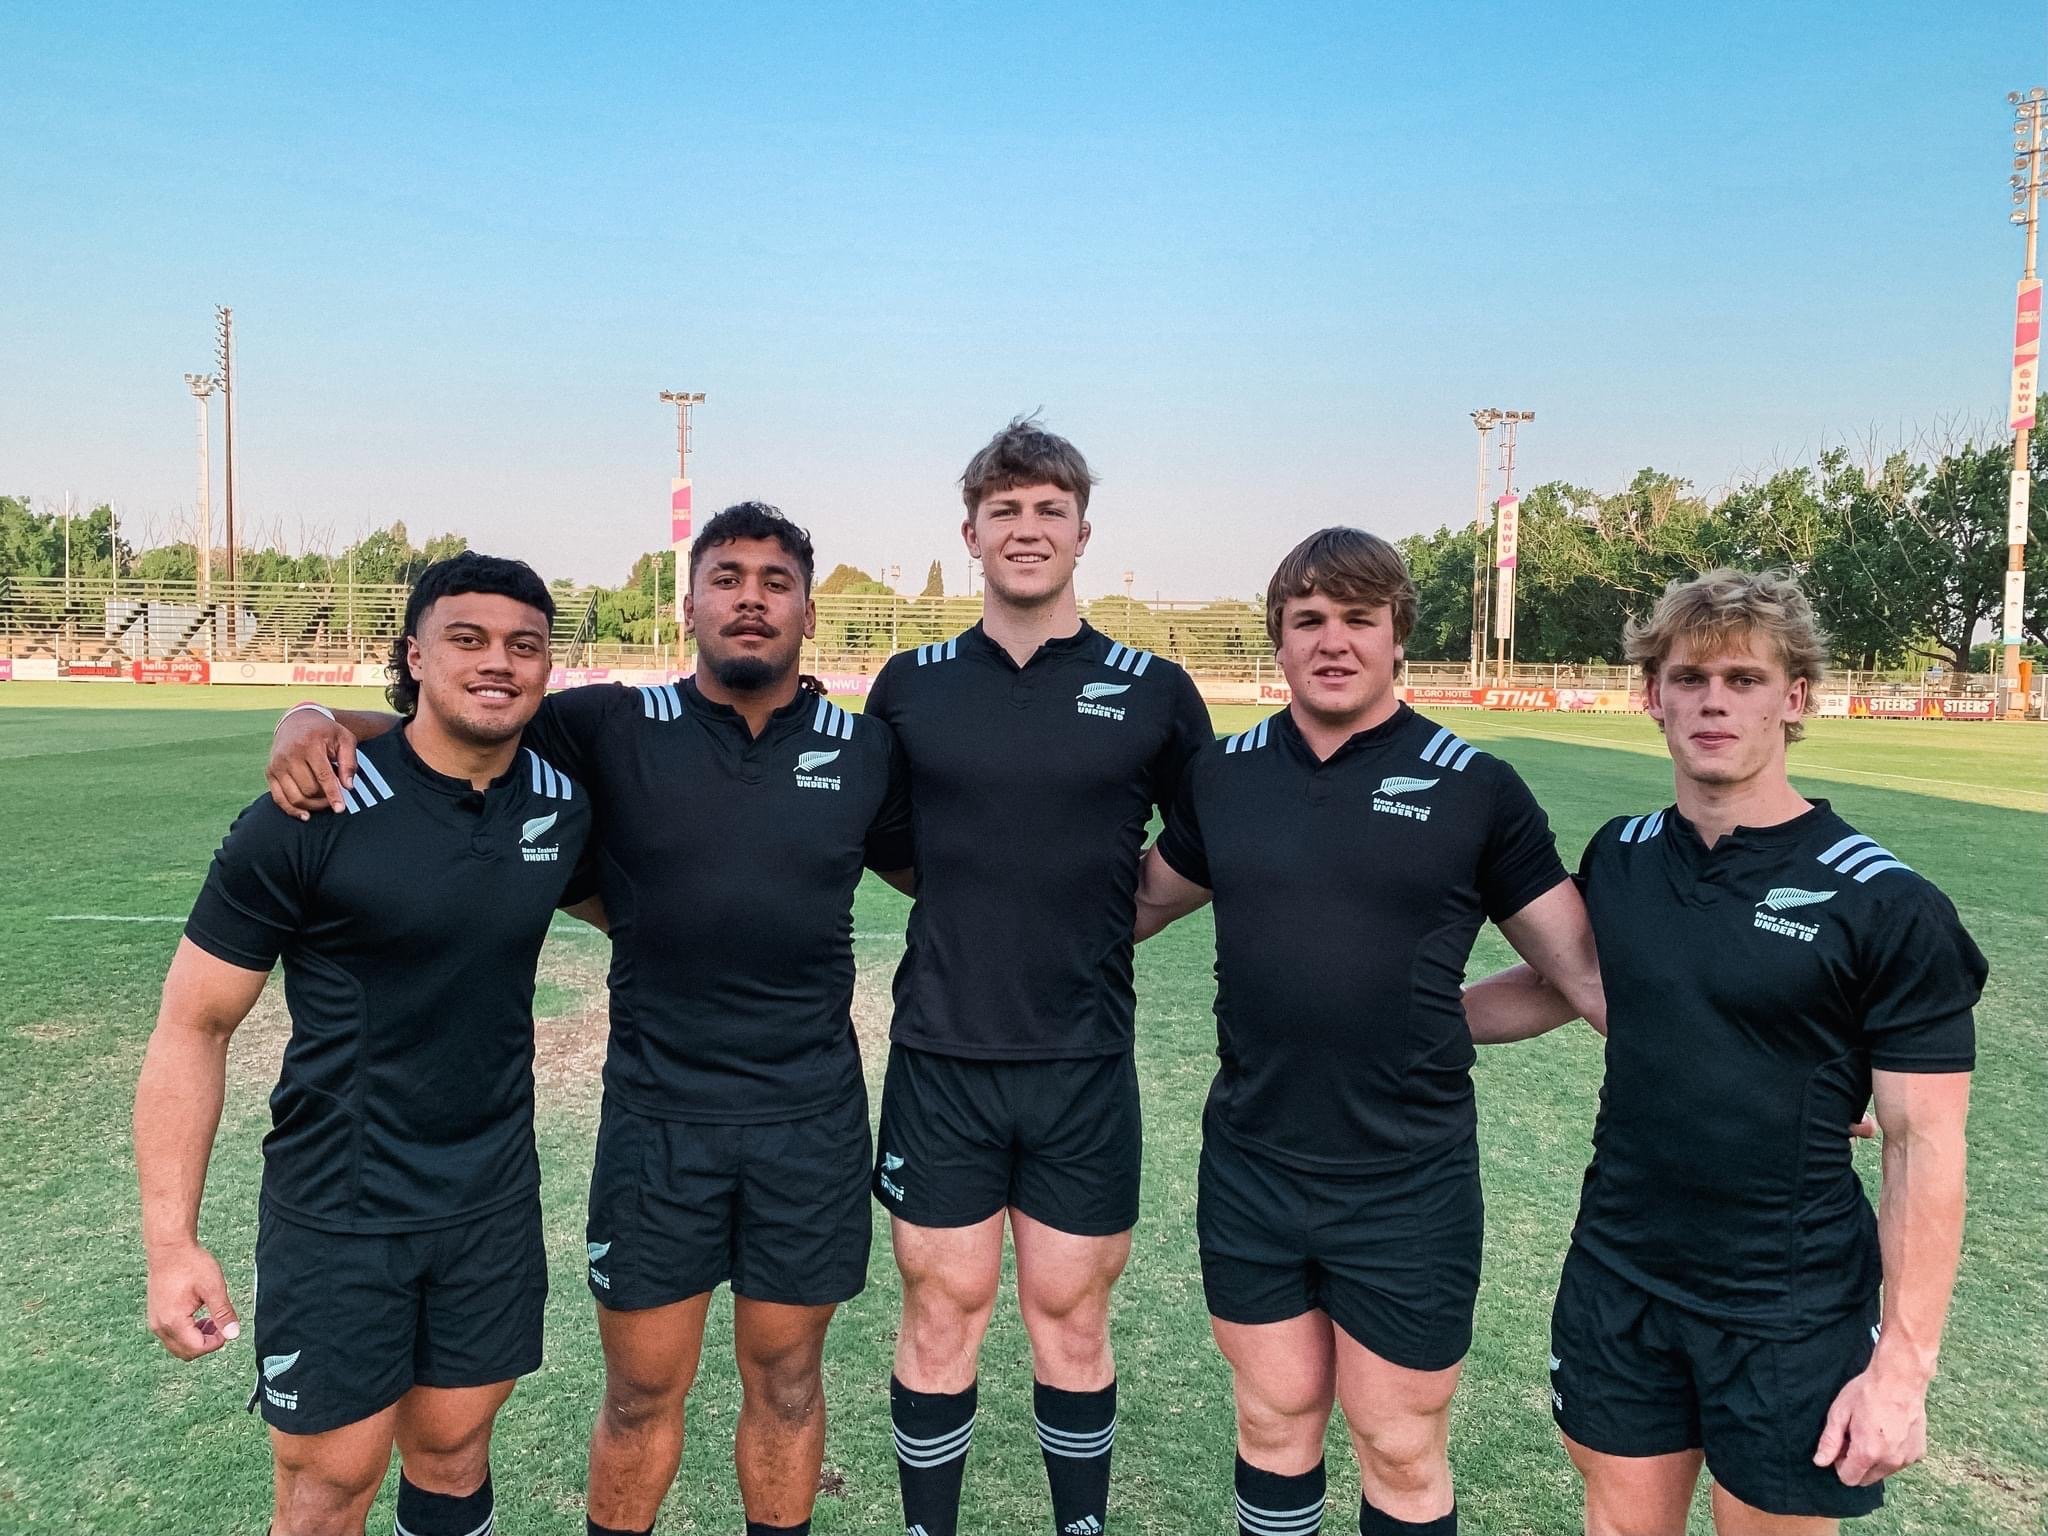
point(1904, 558)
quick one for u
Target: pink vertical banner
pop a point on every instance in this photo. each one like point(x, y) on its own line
point(1510, 534)
point(2026, 356)
point(678, 512)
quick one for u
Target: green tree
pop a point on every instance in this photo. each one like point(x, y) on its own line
point(934, 581)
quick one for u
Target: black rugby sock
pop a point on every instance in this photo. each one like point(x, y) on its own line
point(421, 1513)
point(1269, 1504)
point(592, 1528)
point(757, 1528)
point(933, 1432)
point(1377, 1522)
point(1076, 1431)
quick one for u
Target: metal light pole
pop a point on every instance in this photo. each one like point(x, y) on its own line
point(1506, 544)
point(1485, 421)
point(224, 333)
point(2030, 158)
point(202, 385)
point(678, 508)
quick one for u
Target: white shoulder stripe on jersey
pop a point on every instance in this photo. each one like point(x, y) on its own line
point(1854, 840)
point(938, 650)
point(1879, 868)
point(1641, 829)
point(1861, 856)
point(831, 720)
point(1248, 740)
point(547, 779)
point(368, 770)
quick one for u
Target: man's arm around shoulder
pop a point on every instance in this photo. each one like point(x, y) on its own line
point(313, 756)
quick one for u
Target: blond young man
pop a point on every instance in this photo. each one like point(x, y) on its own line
point(1729, 1297)
point(1353, 850)
point(1038, 748)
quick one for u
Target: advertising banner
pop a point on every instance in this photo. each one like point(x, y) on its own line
point(678, 512)
point(1833, 706)
point(6, 669)
point(170, 669)
point(2026, 355)
point(92, 669)
point(1598, 701)
point(1510, 532)
point(1963, 709)
point(1886, 706)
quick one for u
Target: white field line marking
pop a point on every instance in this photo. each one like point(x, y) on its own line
point(108, 917)
point(1816, 770)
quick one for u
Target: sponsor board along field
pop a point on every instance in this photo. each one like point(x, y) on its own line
point(112, 799)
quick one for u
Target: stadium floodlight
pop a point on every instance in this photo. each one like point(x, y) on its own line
point(679, 509)
point(202, 385)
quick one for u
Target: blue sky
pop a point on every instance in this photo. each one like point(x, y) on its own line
point(1259, 262)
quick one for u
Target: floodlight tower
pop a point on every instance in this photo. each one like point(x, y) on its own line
point(1485, 421)
point(2029, 161)
point(224, 337)
point(679, 501)
point(1507, 533)
point(202, 385)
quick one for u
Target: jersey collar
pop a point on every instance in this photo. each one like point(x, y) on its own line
point(1784, 834)
point(1357, 744)
point(416, 766)
point(1079, 643)
point(798, 708)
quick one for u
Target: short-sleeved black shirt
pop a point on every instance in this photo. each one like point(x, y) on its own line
point(727, 863)
point(1751, 990)
point(1348, 894)
point(409, 927)
point(1031, 788)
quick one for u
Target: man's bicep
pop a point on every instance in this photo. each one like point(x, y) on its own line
point(1921, 1104)
point(205, 992)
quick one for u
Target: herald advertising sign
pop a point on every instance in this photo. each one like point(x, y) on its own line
point(170, 669)
point(2026, 356)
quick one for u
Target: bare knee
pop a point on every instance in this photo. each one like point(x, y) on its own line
point(945, 1315)
point(634, 1403)
point(323, 1500)
point(1282, 1431)
point(1404, 1453)
point(788, 1385)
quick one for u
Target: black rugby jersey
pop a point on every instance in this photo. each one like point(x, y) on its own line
point(409, 926)
point(727, 863)
point(1751, 990)
point(1031, 788)
point(1348, 894)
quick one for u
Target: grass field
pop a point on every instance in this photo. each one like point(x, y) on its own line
point(115, 797)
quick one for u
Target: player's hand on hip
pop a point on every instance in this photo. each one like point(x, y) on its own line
point(183, 1284)
point(1864, 1129)
point(312, 759)
point(1877, 1424)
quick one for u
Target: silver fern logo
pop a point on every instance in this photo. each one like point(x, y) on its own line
point(1785, 897)
point(1089, 700)
point(1388, 802)
point(1400, 786)
point(807, 766)
point(531, 852)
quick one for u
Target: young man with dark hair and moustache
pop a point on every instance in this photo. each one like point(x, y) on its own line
point(737, 809)
point(1038, 747)
point(1729, 1298)
point(399, 1243)
point(1353, 848)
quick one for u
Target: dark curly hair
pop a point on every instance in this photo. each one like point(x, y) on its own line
point(753, 520)
point(466, 572)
